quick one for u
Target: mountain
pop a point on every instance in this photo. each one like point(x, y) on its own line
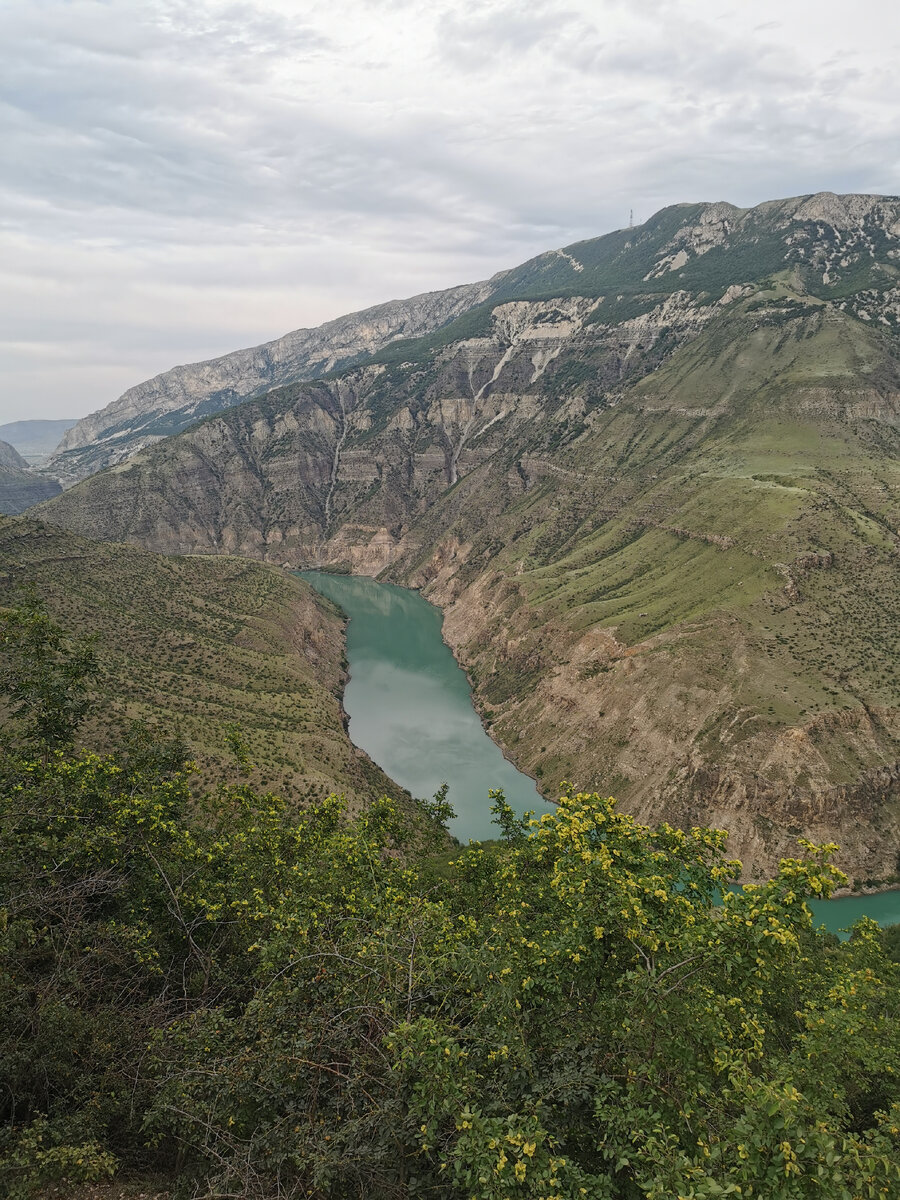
point(652, 480)
point(34, 440)
point(176, 399)
point(195, 645)
point(10, 459)
point(20, 488)
point(836, 243)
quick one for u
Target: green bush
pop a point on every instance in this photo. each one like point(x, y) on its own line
point(263, 1004)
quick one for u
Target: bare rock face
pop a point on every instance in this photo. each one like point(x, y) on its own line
point(652, 482)
point(824, 236)
point(171, 401)
point(337, 471)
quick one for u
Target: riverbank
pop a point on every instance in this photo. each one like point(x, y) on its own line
point(405, 688)
point(410, 704)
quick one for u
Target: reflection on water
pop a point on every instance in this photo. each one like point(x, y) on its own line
point(410, 704)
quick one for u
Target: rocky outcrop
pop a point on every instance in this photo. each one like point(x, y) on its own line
point(172, 401)
point(287, 478)
point(700, 252)
point(661, 521)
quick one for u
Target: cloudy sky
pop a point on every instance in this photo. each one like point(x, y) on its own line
point(183, 177)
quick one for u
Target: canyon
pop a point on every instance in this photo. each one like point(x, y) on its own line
point(651, 479)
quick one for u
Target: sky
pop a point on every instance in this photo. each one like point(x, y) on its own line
point(180, 178)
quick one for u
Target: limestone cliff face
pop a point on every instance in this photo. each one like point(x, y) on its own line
point(658, 506)
point(699, 250)
point(341, 469)
point(170, 402)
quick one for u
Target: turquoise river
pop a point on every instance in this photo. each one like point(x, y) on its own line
point(410, 709)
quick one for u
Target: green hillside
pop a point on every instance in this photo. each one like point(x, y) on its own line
point(653, 481)
point(633, 269)
point(659, 509)
point(195, 645)
point(731, 524)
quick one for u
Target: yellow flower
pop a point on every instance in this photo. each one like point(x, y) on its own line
point(520, 1170)
point(529, 1149)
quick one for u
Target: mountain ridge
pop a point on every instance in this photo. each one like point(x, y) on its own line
point(175, 399)
point(20, 486)
point(34, 440)
point(639, 510)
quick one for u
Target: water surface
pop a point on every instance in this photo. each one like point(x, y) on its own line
point(837, 915)
point(410, 704)
point(410, 709)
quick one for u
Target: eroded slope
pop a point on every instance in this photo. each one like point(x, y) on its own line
point(662, 522)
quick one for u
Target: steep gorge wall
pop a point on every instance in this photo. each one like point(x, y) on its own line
point(634, 720)
point(622, 519)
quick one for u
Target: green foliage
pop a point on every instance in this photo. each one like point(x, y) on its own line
point(891, 936)
point(277, 1004)
point(263, 1003)
point(34, 1156)
point(43, 675)
point(438, 809)
point(237, 744)
point(513, 828)
point(195, 645)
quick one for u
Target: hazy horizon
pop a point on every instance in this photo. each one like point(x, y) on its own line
point(182, 180)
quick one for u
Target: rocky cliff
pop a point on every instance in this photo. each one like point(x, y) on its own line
point(835, 244)
point(170, 402)
point(658, 504)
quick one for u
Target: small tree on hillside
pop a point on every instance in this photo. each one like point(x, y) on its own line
point(43, 675)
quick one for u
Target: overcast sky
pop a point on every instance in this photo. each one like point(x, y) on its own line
point(180, 178)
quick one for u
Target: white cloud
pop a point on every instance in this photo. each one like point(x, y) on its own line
point(181, 178)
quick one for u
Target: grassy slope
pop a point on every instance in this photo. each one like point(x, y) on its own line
point(193, 644)
point(682, 532)
point(637, 609)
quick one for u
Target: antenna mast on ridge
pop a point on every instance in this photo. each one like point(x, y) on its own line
point(631, 218)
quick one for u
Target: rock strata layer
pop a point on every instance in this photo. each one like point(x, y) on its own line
point(652, 480)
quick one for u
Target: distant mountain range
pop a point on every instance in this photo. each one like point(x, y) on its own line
point(35, 439)
point(652, 478)
point(20, 488)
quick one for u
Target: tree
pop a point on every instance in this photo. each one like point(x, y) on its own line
point(580, 1013)
point(270, 1002)
point(44, 675)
